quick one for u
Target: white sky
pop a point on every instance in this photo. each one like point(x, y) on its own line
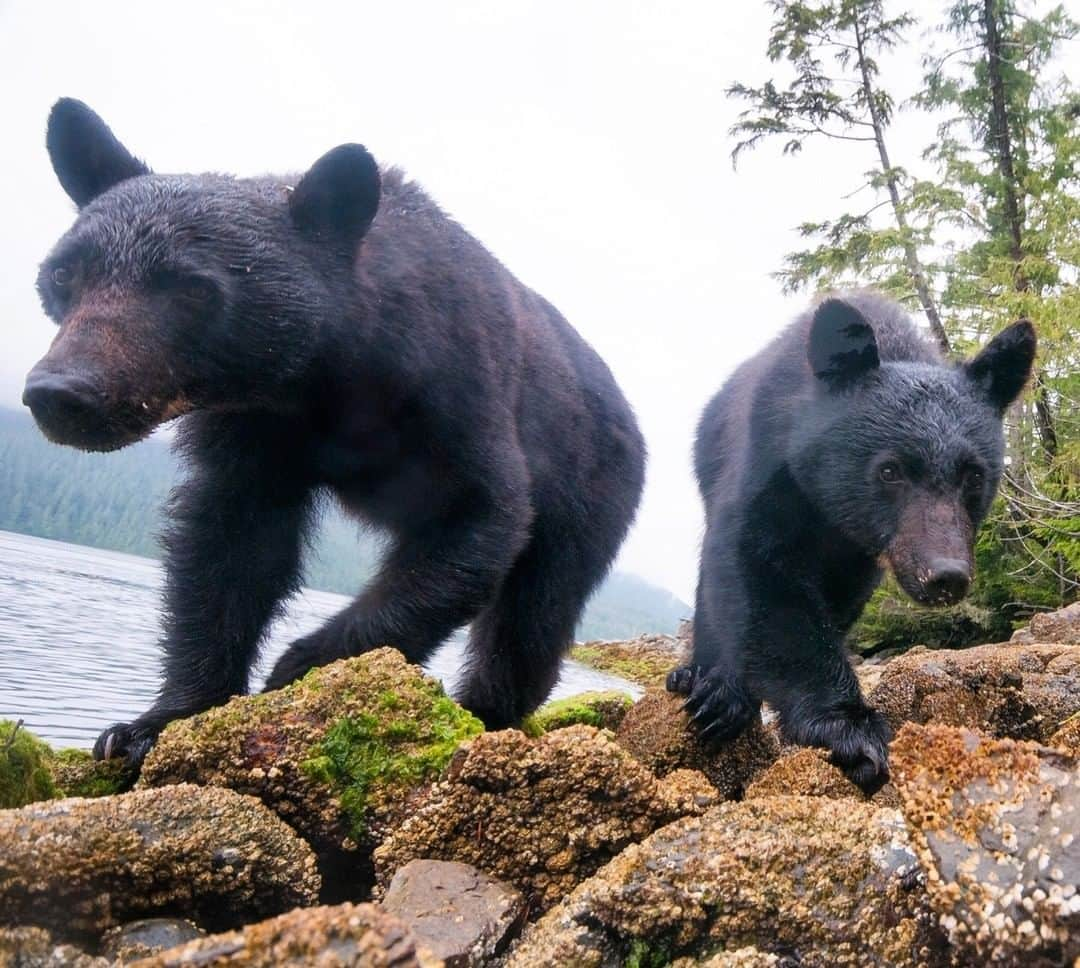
point(585, 143)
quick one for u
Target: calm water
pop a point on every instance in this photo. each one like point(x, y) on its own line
point(78, 638)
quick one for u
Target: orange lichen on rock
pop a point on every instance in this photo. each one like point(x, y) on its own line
point(997, 827)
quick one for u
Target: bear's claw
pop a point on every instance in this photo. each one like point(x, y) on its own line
point(720, 708)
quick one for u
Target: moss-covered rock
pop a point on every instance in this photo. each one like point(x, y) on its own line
point(658, 733)
point(77, 774)
point(358, 935)
point(645, 660)
point(82, 866)
point(542, 813)
point(997, 827)
point(24, 767)
point(1015, 691)
point(604, 710)
point(823, 882)
point(336, 754)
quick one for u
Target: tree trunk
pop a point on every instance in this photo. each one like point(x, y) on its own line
point(911, 255)
point(1012, 205)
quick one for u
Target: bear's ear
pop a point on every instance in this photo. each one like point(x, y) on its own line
point(339, 195)
point(85, 154)
point(1003, 366)
point(842, 345)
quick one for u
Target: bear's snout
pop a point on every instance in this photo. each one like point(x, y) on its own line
point(948, 581)
point(63, 402)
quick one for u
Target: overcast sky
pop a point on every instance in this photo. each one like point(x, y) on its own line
point(585, 143)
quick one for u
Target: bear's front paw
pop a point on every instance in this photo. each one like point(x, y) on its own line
point(718, 706)
point(858, 739)
point(297, 661)
point(130, 741)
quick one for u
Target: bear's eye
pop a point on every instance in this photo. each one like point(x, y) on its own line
point(62, 276)
point(891, 472)
point(974, 478)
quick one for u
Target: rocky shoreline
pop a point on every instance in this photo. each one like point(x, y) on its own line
point(360, 817)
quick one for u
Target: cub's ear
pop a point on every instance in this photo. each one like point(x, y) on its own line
point(85, 154)
point(842, 345)
point(339, 195)
point(1003, 366)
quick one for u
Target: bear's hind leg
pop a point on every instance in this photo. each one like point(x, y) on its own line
point(516, 644)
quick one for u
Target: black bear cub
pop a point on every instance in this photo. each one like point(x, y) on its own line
point(845, 444)
point(333, 333)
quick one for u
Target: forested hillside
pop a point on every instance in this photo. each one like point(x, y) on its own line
point(115, 500)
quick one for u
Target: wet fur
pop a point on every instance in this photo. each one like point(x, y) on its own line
point(359, 345)
point(799, 520)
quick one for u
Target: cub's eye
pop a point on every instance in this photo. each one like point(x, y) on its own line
point(974, 478)
point(62, 277)
point(891, 472)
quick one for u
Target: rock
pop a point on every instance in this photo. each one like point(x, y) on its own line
point(645, 660)
point(1011, 691)
point(740, 958)
point(77, 774)
point(997, 827)
point(1062, 626)
point(141, 939)
point(32, 947)
point(24, 771)
point(345, 936)
point(1067, 735)
point(801, 771)
point(455, 911)
point(658, 734)
point(336, 755)
point(824, 882)
point(81, 866)
point(542, 813)
point(604, 710)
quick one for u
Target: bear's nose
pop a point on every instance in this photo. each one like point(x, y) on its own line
point(63, 397)
point(948, 582)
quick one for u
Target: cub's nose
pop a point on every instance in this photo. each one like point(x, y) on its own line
point(948, 582)
point(61, 398)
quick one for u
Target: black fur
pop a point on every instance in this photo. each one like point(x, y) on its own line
point(316, 347)
point(845, 442)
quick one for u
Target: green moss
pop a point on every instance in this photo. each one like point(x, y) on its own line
point(365, 752)
point(644, 668)
point(643, 954)
point(603, 710)
point(24, 767)
point(78, 774)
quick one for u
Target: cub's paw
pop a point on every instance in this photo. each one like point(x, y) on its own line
point(719, 706)
point(858, 739)
point(128, 741)
point(297, 661)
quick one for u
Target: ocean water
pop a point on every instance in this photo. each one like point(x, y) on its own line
point(79, 632)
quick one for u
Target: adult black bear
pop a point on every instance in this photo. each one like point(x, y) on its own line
point(844, 443)
point(334, 332)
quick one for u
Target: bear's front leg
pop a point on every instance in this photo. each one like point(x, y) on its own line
point(232, 555)
point(799, 666)
point(437, 577)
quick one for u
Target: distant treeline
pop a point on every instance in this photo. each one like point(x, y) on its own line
point(116, 500)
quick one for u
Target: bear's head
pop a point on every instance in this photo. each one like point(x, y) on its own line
point(905, 457)
point(182, 292)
